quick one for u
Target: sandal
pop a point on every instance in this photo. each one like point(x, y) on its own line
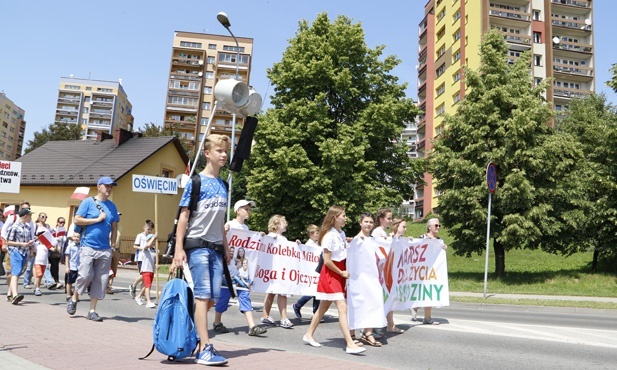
point(356, 341)
point(374, 343)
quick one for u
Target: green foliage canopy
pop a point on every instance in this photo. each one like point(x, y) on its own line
point(333, 134)
point(504, 120)
point(58, 131)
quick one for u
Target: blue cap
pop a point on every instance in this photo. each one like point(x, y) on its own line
point(106, 181)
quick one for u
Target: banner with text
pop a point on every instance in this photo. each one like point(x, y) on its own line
point(276, 265)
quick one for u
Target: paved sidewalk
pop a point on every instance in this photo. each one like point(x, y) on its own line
point(42, 336)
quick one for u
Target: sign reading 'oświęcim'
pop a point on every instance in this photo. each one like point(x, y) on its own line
point(10, 177)
point(153, 184)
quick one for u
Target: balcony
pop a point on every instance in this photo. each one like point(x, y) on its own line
point(573, 46)
point(515, 15)
point(181, 125)
point(569, 93)
point(573, 70)
point(574, 3)
point(517, 38)
point(570, 24)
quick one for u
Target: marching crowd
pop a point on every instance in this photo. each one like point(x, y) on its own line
point(88, 245)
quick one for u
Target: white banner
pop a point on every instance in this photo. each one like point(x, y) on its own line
point(10, 177)
point(405, 273)
point(153, 184)
point(276, 266)
point(419, 273)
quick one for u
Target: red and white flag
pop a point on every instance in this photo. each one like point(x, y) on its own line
point(59, 232)
point(10, 210)
point(47, 239)
point(81, 193)
point(188, 168)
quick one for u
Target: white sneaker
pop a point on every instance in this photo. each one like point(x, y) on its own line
point(37, 292)
point(285, 323)
point(138, 300)
point(150, 305)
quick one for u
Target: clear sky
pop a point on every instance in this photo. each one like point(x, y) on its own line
point(43, 41)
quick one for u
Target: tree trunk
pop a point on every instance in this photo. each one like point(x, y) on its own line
point(500, 260)
point(594, 263)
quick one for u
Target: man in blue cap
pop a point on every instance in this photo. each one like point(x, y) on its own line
point(98, 217)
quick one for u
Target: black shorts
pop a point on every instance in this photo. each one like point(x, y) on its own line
point(71, 277)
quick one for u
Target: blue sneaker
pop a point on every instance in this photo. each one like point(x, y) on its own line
point(297, 311)
point(209, 356)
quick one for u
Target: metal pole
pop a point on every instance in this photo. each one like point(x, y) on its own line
point(203, 140)
point(488, 233)
point(233, 130)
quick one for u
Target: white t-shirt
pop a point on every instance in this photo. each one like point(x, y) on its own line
point(234, 224)
point(379, 232)
point(141, 240)
point(334, 242)
point(42, 254)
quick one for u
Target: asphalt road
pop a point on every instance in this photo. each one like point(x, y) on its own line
point(471, 336)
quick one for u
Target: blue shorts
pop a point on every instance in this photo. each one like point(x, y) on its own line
point(206, 267)
point(18, 262)
point(244, 300)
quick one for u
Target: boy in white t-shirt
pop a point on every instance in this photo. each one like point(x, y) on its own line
point(243, 212)
point(147, 249)
point(71, 261)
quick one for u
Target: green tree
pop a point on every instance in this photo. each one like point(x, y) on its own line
point(332, 136)
point(613, 82)
point(152, 130)
point(504, 120)
point(593, 121)
point(58, 131)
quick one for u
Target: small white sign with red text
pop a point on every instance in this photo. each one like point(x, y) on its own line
point(10, 177)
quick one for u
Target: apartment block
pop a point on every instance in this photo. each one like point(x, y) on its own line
point(198, 62)
point(558, 34)
point(13, 129)
point(100, 107)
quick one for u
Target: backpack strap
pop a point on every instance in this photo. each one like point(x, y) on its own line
point(195, 187)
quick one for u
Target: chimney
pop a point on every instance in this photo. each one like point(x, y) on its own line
point(121, 136)
point(102, 136)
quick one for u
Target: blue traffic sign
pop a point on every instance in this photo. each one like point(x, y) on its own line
point(491, 177)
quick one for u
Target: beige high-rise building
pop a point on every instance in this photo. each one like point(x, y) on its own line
point(100, 107)
point(558, 34)
point(198, 62)
point(13, 129)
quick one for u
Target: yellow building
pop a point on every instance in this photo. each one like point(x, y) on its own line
point(52, 172)
point(198, 62)
point(12, 130)
point(558, 33)
point(98, 106)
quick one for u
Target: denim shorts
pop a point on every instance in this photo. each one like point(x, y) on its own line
point(18, 262)
point(244, 301)
point(206, 267)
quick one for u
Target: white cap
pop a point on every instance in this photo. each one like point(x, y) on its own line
point(242, 203)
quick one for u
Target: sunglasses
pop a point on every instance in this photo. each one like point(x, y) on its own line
point(437, 225)
point(61, 222)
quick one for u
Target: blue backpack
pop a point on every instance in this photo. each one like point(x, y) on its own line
point(174, 333)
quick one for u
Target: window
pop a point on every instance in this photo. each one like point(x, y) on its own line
point(456, 16)
point(441, 33)
point(537, 81)
point(233, 48)
point(456, 97)
point(441, 89)
point(440, 109)
point(211, 60)
point(205, 106)
point(167, 173)
point(88, 88)
point(456, 35)
point(231, 58)
point(440, 70)
point(537, 37)
point(456, 77)
point(536, 15)
point(189, 44)
point(456, 56)
point(210, 75)
point(208, 90)
point(537, 60)
point(441, 51)
point(102, 89)
point(212, 46)
point(441, 14)
point(204, 121)
point(71, 87)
